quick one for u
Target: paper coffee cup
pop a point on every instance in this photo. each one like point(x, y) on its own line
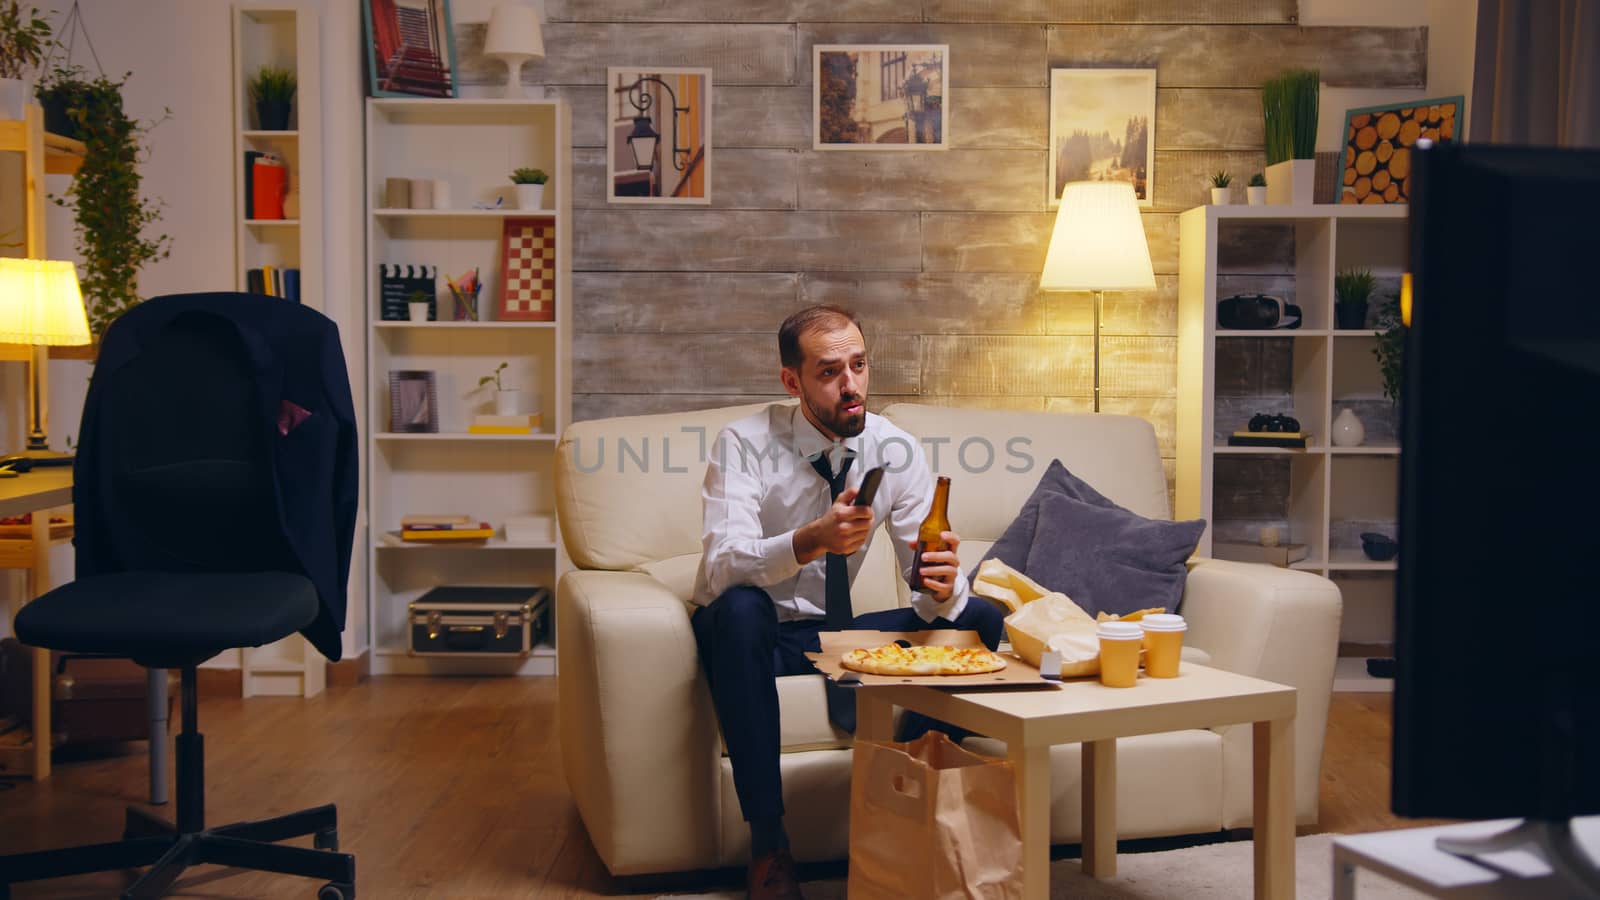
point(1163, 644)
point(1119, 653)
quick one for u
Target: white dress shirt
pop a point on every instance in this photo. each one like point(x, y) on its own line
point(760, 487)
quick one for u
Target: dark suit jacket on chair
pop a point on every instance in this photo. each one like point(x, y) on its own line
point(299, 365)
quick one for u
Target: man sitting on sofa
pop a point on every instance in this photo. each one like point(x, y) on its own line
point(783, 541)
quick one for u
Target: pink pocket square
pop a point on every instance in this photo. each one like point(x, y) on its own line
point(290, 415)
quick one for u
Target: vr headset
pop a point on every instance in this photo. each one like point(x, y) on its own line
point(1256, 312)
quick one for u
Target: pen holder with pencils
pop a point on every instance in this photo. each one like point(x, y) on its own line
point(465, 291)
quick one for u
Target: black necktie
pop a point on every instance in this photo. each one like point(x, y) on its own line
point(838, 578)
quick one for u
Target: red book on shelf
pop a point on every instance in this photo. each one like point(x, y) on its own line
point(270, 183)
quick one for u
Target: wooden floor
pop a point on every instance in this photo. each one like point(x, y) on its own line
point(452, 788)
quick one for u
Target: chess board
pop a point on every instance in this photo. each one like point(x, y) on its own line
point(528, 270)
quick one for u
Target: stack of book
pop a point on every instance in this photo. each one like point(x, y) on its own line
point(274, 281)
point(1289, 440)
point(441, 528)
point(485, 423)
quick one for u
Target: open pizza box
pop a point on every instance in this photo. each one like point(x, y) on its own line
point(837, 643)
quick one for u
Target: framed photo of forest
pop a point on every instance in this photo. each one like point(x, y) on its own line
point(1102, 128)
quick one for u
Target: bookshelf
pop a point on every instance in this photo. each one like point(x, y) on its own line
point(470, 146)
point(1329, 494)
point(285, 36)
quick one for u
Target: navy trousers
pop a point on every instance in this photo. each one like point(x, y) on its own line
point(744, 648)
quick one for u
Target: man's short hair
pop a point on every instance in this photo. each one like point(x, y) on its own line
point(824, 317)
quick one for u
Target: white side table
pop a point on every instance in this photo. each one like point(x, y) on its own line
point(1409, 857)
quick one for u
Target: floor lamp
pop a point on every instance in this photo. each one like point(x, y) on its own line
point(41, 307)
point(1098, 245)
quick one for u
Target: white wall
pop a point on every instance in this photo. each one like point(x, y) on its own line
point(180, 53)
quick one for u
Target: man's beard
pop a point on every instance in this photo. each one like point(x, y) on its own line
point(836, 421)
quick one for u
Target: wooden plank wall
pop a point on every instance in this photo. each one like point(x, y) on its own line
point(677, 308)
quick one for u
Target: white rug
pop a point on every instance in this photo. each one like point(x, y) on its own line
point(1212, 872)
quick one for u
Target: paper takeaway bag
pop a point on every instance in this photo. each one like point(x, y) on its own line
point(931, 820)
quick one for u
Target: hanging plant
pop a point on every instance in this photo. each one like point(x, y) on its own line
point(110, 213)
point(63, 88)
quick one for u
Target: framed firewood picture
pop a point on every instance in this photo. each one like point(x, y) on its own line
point(1378, 141)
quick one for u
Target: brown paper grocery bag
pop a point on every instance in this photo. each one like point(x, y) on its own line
point(931, 820)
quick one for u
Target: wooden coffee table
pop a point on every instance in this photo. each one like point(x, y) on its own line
point(1031, 721)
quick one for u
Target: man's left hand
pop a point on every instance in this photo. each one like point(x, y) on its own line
point(940, 567)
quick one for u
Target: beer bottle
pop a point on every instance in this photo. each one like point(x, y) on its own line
point(930, 537)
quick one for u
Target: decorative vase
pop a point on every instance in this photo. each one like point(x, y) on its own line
point(1348, 430)
point(15, 94)
point(1292, 182)
point(273, 114)
point(530, 196)
point(1256, 196)
point(506, 401)
point(1222, 196)
point(1351, 315)
point(1379, 547)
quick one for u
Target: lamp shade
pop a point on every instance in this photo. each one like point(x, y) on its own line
point(514, 31)
point(40, 303)
point(1098, 243)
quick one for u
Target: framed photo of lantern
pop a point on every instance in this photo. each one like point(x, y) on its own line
point(658, 135)
point(1379, 140)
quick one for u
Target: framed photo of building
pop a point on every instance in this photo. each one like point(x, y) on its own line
point(411, 49)
point(658, 135)
point(1102, 128)
point(880, 97)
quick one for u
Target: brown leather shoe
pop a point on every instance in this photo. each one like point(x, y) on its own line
point(772, 877)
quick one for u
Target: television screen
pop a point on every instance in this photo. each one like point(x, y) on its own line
point(1497, 687)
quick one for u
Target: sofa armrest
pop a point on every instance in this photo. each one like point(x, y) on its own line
point(1281, 625)
point(639, 737)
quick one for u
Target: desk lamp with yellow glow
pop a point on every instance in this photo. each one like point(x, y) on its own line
point(1098, 245)
point(40, 307)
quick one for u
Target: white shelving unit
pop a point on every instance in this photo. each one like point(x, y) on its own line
point(286, 36)
point(1333, 493)
point(472, 145)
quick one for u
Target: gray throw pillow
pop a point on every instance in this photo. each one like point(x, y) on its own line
point(1071, 538)
point(1012, 547)
point(1109, 559)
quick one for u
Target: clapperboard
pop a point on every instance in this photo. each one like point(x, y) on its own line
point(396, 285)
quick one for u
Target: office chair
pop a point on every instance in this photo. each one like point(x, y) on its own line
point(189, 508)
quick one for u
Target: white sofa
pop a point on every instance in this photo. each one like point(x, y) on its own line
point(639, 738)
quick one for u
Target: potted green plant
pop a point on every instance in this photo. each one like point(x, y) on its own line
point(1256, 193)
point(24, 41)
point(1351, 289)
point(272, 90)
point(529, 187)
point(417, 303)
point(506, 400)
point(110, 214)
point(1391, 346)
point(1289, 115)
point(1221, 189)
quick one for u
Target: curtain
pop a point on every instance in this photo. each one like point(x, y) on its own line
point(1536, 77)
